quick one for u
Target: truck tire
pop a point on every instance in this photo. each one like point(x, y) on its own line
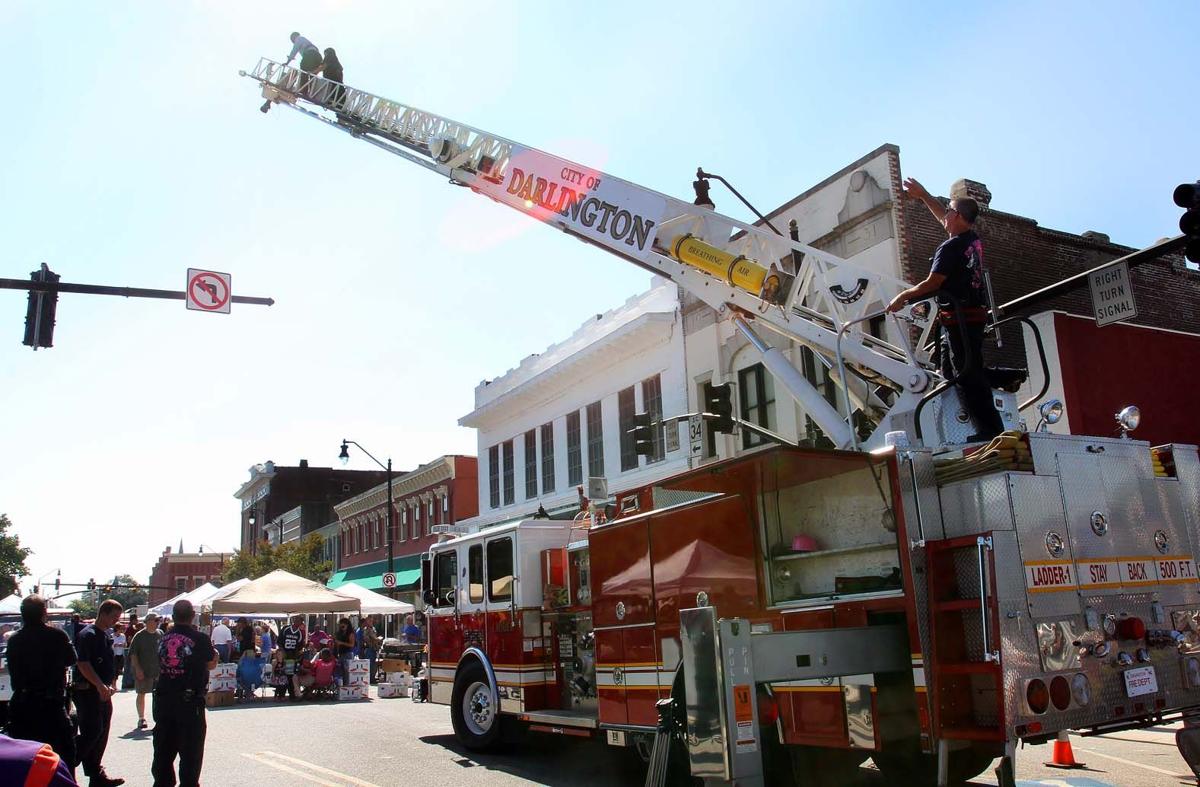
point(476, 720)
point(910, 765)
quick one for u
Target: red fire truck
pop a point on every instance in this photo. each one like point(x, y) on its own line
point(795, 609)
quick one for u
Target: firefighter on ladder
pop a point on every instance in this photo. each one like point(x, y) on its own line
point(958, 270)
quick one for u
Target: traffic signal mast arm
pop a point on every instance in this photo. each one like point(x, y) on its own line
point(758, 278)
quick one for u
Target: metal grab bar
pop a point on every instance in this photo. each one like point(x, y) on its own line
point(1037, 339)
point(983, 544)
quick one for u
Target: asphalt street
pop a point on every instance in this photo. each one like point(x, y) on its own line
point(380, 743)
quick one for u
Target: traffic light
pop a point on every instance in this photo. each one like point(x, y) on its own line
point(91, 584)
point(643, 434)
point(1187, 196)
point(718, 401)
point(39, 312)
point(37, 590)
point(57, 584)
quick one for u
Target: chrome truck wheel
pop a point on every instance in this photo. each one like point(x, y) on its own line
point(475, 718)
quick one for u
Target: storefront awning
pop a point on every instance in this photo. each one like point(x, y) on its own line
point(370, 575)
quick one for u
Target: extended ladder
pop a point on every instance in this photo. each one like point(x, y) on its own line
point(743, 271)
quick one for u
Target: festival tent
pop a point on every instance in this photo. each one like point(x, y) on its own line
point(196, 596)
point(283, 592)
point(221, 592)
point(12, 606)
point(375, 603)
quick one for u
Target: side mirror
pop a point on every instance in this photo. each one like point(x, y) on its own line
point(430, 597)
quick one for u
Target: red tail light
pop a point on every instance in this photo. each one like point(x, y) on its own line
point(768, 710)
point(1037, 695)
point(1060, 693)
point(1131, 628)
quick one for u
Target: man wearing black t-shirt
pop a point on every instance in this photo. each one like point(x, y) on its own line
point(38, 657)
point(95, 683)
point(958, 270)
point(185, 656)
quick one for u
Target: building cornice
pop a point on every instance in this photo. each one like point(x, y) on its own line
point(435, 472)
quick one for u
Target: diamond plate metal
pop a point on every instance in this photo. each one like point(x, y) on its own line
point(1038, 511)
point(976, 505)
point(944, 421)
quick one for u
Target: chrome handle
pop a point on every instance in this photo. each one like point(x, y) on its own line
point(983, 544)
point(912, 474)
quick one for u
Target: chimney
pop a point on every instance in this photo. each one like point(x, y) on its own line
point(973, 189)
point(304, 463)
point(1096, 237)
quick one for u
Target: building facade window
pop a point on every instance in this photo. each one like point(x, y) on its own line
point(547, 458)
point(595, 440)
point(509, 475)
point(404, 524)
point(625, 411)
point(531, 467)
point(756, 391)
point(652, 405)
point(180, 584)
point(574, 454)
point(494, 476)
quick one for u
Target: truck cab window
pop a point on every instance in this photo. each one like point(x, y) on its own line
point(445, 569)
point(475, 574)
point(500, 569)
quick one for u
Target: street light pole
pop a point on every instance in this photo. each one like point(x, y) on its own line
point(344, 456)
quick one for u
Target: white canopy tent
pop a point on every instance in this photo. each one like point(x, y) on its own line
point(375, 603)
point(283, 592)
point(205, 605)
point(197, 596)
point(12, 606)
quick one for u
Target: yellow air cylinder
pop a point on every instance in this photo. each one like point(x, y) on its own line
point(738, 271)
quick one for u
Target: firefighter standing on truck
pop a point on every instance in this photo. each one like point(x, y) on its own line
point(38, 658)
point(958, 270)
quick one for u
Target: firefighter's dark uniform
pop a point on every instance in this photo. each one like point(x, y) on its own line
point(38, 658)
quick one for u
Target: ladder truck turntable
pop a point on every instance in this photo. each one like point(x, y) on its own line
point(796, 609)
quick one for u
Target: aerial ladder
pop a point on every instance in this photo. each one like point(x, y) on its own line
point(751, 275)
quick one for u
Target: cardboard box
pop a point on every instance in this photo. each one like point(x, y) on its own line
point(399, 678)
point(353, 693)
point(395, 665)
point(217, 699)
point(223, 670)
point(222, 684)
point(6, 692)
point(391, 690)
point(358, 666)
point(359, 679)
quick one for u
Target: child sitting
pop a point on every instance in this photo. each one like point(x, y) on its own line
point(249, 674)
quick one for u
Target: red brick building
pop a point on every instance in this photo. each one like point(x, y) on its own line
point(179, 572)
point(274, 490)
point(437, 494)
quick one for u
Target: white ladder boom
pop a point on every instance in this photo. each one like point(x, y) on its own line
point(739, 269)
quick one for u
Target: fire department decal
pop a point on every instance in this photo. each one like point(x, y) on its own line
point(1045, 576)
point(607, 210)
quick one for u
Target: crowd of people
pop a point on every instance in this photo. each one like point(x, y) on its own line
point(170, 661)
point(172, 664)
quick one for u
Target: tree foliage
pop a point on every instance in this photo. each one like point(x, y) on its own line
point(12, 558)
point(304, 558)
point(122, 588)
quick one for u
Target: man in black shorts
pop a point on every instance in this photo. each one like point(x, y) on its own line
point(291, 642)
point(958, 270)
point(185, 656)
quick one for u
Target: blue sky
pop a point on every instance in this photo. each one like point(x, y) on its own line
point(133, 151)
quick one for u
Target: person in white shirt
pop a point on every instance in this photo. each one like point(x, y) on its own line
point(119, 642)
point(222, 639)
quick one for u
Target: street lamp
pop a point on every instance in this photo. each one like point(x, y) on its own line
point(344, 456)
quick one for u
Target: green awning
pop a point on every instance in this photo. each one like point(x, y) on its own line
point(370, 575)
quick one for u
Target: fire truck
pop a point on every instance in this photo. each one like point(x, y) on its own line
point(900, 596)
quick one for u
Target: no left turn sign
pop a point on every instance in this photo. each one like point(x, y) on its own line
point(208, 291)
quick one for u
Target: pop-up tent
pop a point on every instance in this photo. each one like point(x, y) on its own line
point(375, 603)
point(282, 592)
point(11, 606)
point(197, 596)
point(205, 604)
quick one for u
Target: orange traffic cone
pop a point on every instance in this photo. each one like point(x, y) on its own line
point(1063, 756)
